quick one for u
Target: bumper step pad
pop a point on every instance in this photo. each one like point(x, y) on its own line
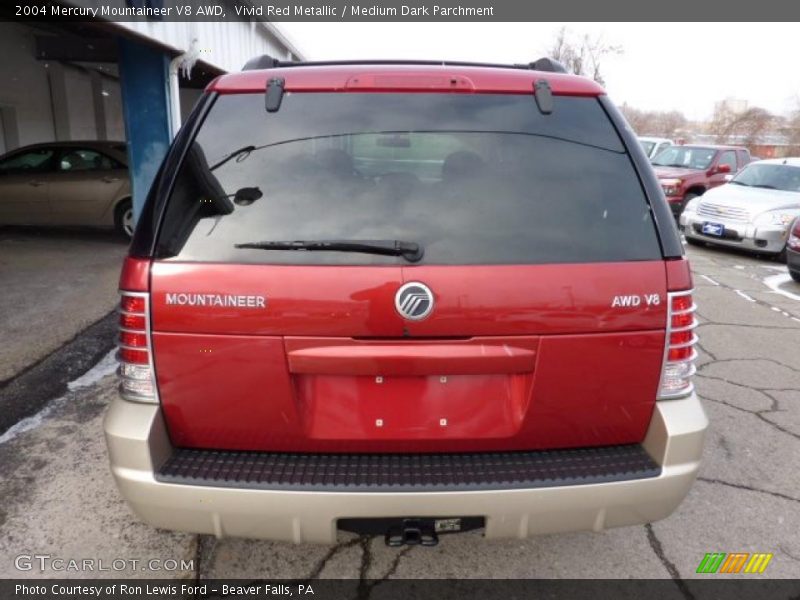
point(407, 472)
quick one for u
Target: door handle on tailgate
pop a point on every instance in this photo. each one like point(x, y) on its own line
point(411, 359)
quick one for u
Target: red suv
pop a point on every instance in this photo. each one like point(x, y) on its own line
point(409, 299)
point(686, 172)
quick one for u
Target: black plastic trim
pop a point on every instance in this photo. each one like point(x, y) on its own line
point(543, 96)
point(666, 228)
point(143, 244)
point(274, 94)
point(408, 472)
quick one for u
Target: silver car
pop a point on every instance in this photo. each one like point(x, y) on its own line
point(754, 211)
point(67, 183)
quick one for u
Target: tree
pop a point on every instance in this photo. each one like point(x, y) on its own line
point(582, 54)
point(791, 128)
point(654, 122)
point(746, 125)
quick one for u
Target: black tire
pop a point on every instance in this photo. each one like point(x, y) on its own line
point(123, 218)
point(795, 275)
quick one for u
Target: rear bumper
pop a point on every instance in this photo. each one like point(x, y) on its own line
point(138, 445)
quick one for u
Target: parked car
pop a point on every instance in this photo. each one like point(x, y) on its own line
point(793, 251)
point(370, 304)
point(67, 183)
point(686, 172)
point(653, 145)
point(753, 212)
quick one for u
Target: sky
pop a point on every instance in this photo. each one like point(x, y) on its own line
point(663, 66)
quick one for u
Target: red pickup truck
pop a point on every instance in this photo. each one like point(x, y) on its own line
point(686, 172)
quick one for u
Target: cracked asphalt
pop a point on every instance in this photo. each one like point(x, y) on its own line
point(58, 497)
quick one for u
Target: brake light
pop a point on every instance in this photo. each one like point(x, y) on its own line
point(679, 351)
point(132, 304)
point(134, 340)
point(135, 371)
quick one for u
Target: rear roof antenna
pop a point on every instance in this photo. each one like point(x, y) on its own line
point(547, 64)
point(274, 94)
point(265, 61)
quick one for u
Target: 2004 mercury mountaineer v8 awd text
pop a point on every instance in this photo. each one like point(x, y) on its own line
point(405, 299)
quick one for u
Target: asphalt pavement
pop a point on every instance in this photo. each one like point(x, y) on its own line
point(59, 498)
point(55, 283)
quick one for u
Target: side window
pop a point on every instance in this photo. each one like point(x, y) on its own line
point(662, 146)
point(728, 158)
point(32, 161)
point(80, 159)
point(744, 158)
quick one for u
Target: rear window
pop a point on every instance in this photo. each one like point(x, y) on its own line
point(471, 178)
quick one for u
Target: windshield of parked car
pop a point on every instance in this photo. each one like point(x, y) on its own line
point(685, 157)
point(770, 176)
point(647, 146)
point(469, 178)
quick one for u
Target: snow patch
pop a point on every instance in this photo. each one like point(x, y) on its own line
point(31, 422)
point(104, 367)
point(775, 282)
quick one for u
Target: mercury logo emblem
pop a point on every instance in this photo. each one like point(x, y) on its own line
point(414, 301)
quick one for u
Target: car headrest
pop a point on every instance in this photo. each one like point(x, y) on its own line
point(461, 165)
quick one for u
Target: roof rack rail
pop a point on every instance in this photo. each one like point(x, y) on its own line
point(268, 62)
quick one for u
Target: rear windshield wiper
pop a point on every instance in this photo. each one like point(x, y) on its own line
point(411, 251)
point(734, 182)
point(766, 186)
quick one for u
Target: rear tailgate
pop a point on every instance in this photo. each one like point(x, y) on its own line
point(548, 285)
point(512, 357)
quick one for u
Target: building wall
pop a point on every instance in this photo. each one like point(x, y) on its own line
point(224, 45)
point(44, 101)
point(80, 105)
point(112, 101)
point(25, 89)
point(188, 98)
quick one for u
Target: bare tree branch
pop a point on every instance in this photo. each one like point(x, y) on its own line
point(657, 123)
point(583, 54)
point(747, 125)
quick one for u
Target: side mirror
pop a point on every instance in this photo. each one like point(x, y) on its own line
point(246, 196)
point(724, 168)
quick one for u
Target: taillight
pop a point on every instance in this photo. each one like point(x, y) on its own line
point(679, 353)
point(135, 371)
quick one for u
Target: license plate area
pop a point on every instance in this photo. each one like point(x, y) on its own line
point(713, 229)
point(393, 527)
point(428, 407)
